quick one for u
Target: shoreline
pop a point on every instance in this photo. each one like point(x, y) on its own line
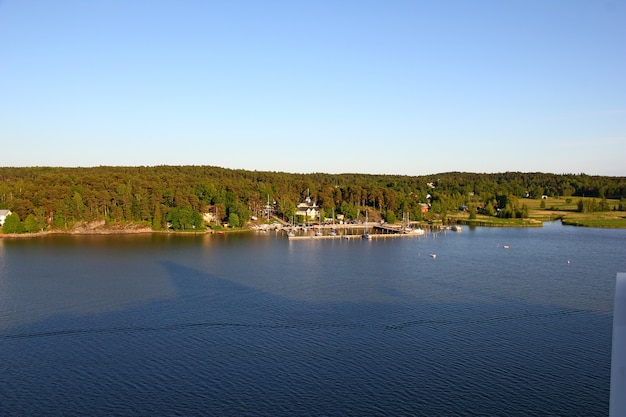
point(138, 230)
point(74, 233)
point(102, 233)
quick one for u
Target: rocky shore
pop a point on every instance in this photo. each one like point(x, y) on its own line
point(95, 227)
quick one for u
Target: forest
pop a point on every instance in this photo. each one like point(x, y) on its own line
point(176, 197)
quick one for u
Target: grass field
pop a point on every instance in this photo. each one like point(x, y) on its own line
point(565, 209)
point(497, 221)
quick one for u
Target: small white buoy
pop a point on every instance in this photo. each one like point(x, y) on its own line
point(568, 262)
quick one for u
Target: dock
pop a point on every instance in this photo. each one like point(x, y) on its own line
point(351, 237)
point(384, 232)
point(353, 231)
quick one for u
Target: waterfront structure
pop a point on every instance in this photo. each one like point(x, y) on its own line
point(308, 208)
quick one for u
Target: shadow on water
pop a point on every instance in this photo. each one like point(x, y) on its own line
point(201, 295)
point(223, 348)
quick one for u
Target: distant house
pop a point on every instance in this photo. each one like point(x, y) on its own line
point(211, 215)
point(3, 216)
point(308, 208)
point(424, 207)
point(208, 217)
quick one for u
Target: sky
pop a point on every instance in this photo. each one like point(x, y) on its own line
point(380, 87)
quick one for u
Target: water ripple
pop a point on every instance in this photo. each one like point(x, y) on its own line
point(299, 325)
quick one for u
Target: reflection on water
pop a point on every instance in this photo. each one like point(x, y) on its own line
point(554, 265)
point(2, 260)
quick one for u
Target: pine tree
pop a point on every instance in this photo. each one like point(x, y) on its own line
point(13, 224)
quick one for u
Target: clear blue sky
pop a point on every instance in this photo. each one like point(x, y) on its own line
point(386, 87)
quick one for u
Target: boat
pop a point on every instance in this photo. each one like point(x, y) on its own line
point(366, 234)
point(319, 227)
point(433, 255)
point(292, 230)
point(456, 228)
point(406, 226)
point(333, 232)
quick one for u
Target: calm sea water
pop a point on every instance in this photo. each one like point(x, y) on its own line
point(255, 324)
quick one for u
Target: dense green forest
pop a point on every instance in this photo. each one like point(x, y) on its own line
point(44, 198)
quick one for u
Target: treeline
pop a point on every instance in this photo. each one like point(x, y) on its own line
point(178, 196)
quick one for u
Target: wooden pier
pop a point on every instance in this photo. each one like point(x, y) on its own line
point(388, 229)
point(384, 232)
point(349, 231)
point(352, 237)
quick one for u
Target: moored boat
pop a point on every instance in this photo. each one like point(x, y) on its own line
point(366, 233)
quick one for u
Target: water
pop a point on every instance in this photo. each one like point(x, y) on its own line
point(255, 324)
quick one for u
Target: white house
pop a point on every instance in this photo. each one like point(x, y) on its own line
point(208, 217)
point(308, 208)
point(3, 215)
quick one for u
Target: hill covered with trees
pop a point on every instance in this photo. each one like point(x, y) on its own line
point(45, 198)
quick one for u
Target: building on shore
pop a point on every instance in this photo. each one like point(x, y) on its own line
point(308, 208)
point(3, 216)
